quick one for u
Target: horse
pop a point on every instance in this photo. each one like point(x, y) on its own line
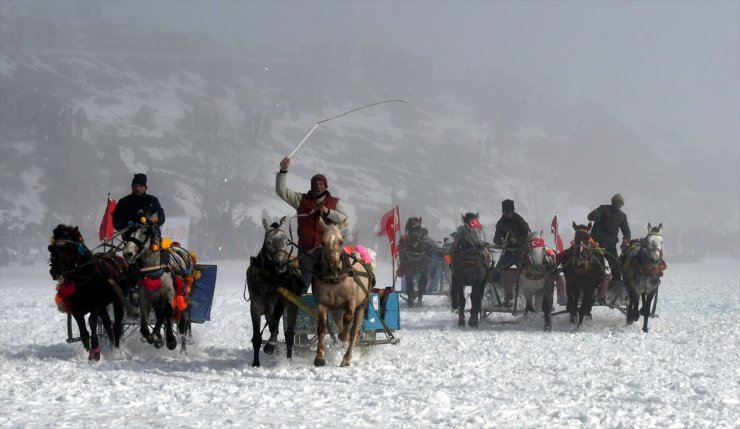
point(536, 275)
point(471, 261)
point(583, 268)
point(269, 270)
point(165, 284)
point(642, 267)
point(88, 283)
point(341, 285)
point(414, 254)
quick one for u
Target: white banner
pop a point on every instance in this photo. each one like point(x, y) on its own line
point(178, 229)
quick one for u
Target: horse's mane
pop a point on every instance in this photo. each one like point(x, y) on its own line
point(411, 222)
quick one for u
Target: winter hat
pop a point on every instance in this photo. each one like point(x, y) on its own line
point(139, 179)
point(617, 199)
point(507, 205)
point(319, 178)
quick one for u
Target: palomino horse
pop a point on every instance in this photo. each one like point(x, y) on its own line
point(414, 254)
point(536, 275)
point(268, 271)
point(88, 283)
point(341, 285)
point(642, 267)
point(161, 288)
point(583, 267)
point(471, 260)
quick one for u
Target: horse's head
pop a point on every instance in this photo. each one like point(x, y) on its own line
point(653, 243)
point(332, 249)
point(582, 244)
point(413, 229)
point(275, 244)
point(66, 249)
point(536, 252)
point(472, 230)
point(136, 240)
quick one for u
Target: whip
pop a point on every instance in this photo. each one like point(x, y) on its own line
point(339, 116)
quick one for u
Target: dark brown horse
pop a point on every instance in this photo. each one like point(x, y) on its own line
point(471, 260)
point(341, 285)
point(88, 283)
point(583, 267)
point(414, 253)
point(643, 266)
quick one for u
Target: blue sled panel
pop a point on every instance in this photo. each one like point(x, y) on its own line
point(201, 297)
point(375, 307)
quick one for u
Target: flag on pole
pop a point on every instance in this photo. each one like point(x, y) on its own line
point(390, 226)
point(554, 230)
point(106, 224)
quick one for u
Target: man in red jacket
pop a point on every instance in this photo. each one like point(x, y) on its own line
point(312, 205)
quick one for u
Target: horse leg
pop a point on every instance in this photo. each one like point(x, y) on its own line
point(359, 314)
point(476, 296)
point(423, 282)
point(572, 305)
point(84, 334)
point(633, 313)
point(320, 360)
point(273, 324)
point(144, 307)
point(157, 329)
point(255, 311)
point(117, 323)
point(347, 318)
point(453, 291)
point(94, 354)
point(292, 315)
point(105, 319)
point(647, 299)
point(461, 305)
point(528, 302)
point(547, 298)
point(586, 305)
point(171, 338)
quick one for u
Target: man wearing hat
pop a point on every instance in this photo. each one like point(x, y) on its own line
point(129, 210)
point(131, 207)
point(312, 205)
point(511, 233)
point(608, 220)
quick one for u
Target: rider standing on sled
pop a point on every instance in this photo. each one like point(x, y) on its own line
point(511, 233)
point(130, 210)
point(608, 221)
point(312, 205)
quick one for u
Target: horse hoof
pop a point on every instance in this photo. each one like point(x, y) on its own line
point(94, 355)
point(149, 339)
point(344, 363)
point(410, 304)
point(461, 323)
point(473, 323)
point(255, 364)
point(319, 362)
point(158, 343)
point(269, 348)
point(547, 328)
point(171, 345)
point(289, 355)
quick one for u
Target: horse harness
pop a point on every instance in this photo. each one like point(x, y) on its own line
point(347, 270)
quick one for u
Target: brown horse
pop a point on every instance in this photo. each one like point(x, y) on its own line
point(583, 267)
point(340, 285)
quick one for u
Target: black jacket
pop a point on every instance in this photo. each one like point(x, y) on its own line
point(608, 220)
point(127, 210)
point(515, 227)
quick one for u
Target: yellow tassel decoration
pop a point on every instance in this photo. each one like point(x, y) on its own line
point(166, 242)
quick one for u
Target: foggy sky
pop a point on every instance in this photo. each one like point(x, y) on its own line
point(666, 64)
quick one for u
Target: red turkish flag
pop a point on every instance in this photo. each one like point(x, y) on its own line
point(554, 230)
point(390, 225)
point(106, 224)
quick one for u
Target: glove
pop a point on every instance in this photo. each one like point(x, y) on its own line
point(512, 241)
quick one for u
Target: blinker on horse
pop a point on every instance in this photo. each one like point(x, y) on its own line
point(88, 283)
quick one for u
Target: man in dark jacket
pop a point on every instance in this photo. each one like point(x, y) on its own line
point(608, 221)
point(317, 202)
point(130, 208)
point(511, 233)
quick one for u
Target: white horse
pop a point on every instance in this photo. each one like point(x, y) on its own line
point(536, 275)
point(156, 285)
point(642, 268)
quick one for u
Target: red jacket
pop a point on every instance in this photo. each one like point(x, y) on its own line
point(309, 230)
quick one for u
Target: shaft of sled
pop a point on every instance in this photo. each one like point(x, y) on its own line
point(295, 299)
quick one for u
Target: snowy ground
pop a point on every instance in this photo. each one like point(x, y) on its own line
point(684, 373)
